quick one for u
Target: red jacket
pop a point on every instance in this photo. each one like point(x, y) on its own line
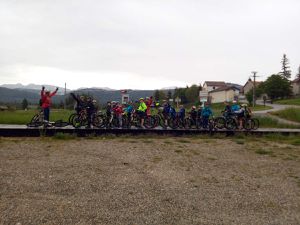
point(118, 110)
point(148, 104)
point(46, 99)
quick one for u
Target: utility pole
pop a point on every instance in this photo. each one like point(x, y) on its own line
point(254, 86)
point(65, 97)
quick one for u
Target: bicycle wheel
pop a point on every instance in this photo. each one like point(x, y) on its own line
point(231, 124)
point(77, 122)
point(220, 122)
point(255, 123)
point(247, 124)
point(188, 123)
point(147, 122)
point(211, 125)
point(98, 121)
point(36, 121)
point(71, 117)
point(173, 123)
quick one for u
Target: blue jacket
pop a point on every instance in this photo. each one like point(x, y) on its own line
point(206, 112)
point(129, 109)
point(182, 113)
point(235, 107)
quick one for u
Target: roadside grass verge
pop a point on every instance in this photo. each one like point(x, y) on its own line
point(22, 117)
point(292, 114)
point(260, 108)
point(268, 122)
point(292, 101)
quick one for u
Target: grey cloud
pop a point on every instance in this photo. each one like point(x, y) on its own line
point(184, 40)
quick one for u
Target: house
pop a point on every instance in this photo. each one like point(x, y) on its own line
point(213, 85)
point(222, 94)
point(249, 85)
point(296, 86)
point(3, 107)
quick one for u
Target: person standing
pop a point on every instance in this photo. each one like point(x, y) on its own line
point(46, 102)
point(142, 111)
point(206, 113)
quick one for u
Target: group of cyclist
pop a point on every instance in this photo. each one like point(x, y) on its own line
point(145, 108)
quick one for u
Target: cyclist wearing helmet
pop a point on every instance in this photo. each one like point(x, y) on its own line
point(206, 113)
point(181, 113)
point(118, 110)
point(193, 114)
point(128, 111)
point(227, 110)
point(166, 111)
point(80, 102)
point(149, 103)
point(91, 110)
point(142, 111)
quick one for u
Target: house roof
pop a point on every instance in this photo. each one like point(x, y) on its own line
point(297, 80)
point(226, 88)
point(215, 83)
point(250, 81)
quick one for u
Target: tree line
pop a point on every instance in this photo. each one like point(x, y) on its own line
point(276, 86)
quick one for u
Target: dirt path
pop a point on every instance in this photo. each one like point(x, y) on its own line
point(149, 181)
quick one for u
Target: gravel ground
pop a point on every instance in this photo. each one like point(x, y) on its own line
point(148, 181)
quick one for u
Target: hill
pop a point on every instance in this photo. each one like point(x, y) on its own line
point(8, 95)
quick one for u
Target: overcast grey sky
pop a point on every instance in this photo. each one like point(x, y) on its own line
point(145, 44)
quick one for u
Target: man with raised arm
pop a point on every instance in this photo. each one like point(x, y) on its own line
point(46, 102)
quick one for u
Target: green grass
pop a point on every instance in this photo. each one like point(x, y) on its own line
point(263, 152)
point(24, 117)
point(260, 108)
point(292, 101)
point(267, 122)
point(292, 114)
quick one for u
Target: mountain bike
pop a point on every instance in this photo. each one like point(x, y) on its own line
point(38, 120)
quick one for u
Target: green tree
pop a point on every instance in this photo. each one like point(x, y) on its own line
point(156, 95)
point(169, 94)
point(192, 94)
point(159, 95)
point(286, 72)
point(259, 90)
point(25, 104)
point(180, 92)
point(277, 86)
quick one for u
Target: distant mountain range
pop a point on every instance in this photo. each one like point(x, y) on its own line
point(15, 93)
point(34, 87)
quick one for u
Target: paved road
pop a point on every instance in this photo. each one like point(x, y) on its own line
point(276, 107)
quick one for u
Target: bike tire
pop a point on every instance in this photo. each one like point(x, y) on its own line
point(247, 124)
point(231, 124)
point(71, 117)
point(220, 123)
point(255, 123)
point(173, 123)
point(98, 121)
